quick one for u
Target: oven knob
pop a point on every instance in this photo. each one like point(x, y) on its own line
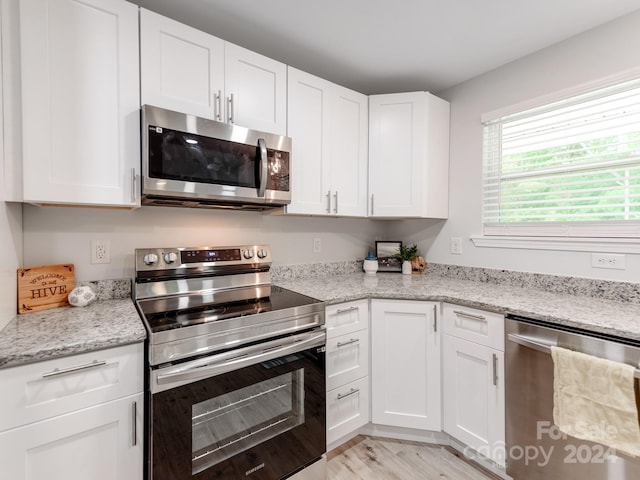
point(170, 257)
point(248, 254)
point(150, 259)
point(262, 253)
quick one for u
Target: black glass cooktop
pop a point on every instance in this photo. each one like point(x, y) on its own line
point(278, 299)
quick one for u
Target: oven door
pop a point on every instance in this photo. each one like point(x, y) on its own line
point(255, 412)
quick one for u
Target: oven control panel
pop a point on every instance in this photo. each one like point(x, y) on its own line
point(150, 259)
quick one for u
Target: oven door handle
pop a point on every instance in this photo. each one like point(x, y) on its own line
point(234, 360)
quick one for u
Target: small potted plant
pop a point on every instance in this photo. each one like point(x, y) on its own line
point(405, 255)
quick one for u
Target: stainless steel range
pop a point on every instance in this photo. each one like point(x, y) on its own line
point(236, 367)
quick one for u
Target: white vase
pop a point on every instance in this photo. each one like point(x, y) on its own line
point(370, 267)
point(406, 267)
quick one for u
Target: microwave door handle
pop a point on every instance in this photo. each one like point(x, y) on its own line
point(262, 146)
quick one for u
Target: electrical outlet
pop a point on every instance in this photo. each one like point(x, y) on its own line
point(455, 246)
point(317, 245)
point(100, 251)
point(608, 260)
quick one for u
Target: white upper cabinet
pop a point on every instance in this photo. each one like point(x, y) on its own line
point(408, 155)
point(328, 127)
point(190, 71)
point(181, 68)
point(80, 101)
point(256, 90)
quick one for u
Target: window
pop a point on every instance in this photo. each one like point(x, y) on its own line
point(567, 168)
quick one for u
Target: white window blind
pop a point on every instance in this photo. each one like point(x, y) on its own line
point(567, 168)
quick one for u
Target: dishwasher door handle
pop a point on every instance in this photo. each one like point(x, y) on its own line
point(529, 343)
point(542, 346)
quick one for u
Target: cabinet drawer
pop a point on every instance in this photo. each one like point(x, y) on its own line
point(46, 389)
point(485, 328)
point(347, 317)
point(347, 358)
point(347, 409)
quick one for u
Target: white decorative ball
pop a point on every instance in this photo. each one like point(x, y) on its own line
point(82, 296)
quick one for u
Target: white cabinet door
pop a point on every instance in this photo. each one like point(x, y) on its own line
point(98, 443)
point(408, 155)
point(256, 90)
point(473, 395)
point(405, 364)
point(80, 94)
point(307, 119)
point(347, 358)
point(328, 125)
point(348, 151)
point(181, 68)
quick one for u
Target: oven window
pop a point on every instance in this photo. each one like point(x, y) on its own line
point(228, 424)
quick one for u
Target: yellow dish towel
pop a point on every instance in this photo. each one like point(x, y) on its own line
point(594, 399)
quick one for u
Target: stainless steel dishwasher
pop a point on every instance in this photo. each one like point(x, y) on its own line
point(536, 449)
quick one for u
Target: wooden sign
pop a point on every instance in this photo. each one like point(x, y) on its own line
point(41, 288)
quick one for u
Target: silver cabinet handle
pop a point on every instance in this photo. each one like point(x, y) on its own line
point(335, 198)
point(495, 369)
point(329, 201)
point(77, 368)
point(352, 340)
point(460, 313)
point(344, 310)
point(218, 106)
point(134, 424)
point(231, 113)
point(134, 184)
point(435, 319)
point(262, 146)
point(349, 393)
point(372, 204)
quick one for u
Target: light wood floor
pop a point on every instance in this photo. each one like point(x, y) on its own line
point(375, 458)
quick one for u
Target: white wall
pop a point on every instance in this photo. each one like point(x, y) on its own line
point(599, 53)
point(63, 235)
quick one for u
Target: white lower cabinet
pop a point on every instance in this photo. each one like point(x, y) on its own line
point(473, 380)
point(347, 359)
point(98, 443)
point(74, 418)
point(405, 364)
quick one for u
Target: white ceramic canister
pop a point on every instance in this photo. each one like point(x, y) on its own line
point(370, 264)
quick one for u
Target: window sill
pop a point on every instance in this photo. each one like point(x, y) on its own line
point(604, 245)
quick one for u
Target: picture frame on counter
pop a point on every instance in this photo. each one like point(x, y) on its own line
point(385, 251)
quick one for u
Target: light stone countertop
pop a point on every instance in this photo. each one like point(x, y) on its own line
point(64, 331)
point(621, 319)
point(108, 323)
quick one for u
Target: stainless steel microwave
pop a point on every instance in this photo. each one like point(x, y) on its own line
point(188, 161)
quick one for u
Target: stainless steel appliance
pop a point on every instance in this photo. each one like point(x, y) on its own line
point(189, 161)
point(235, 368)
point(536, 449)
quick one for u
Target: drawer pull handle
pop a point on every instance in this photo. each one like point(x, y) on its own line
point(64, 371)
point(343, 344)
point(460, 313)
point(343, 310)
point(349, 393)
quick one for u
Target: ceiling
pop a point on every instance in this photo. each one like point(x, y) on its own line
point(377, 46)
